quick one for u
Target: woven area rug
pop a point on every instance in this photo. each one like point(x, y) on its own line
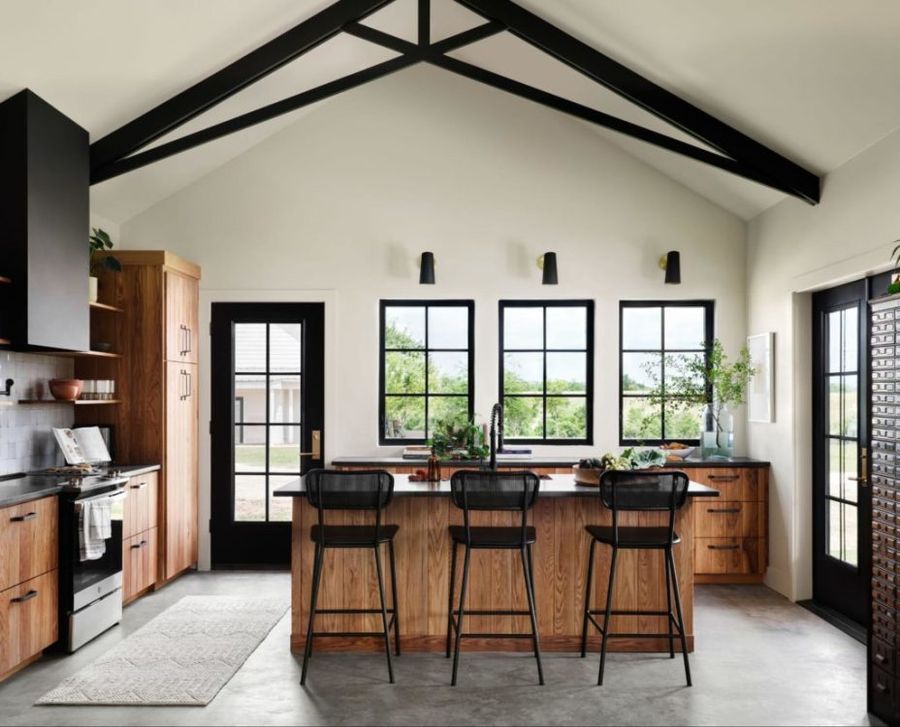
point(184, 656)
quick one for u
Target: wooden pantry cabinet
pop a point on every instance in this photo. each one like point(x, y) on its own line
point(157, 420)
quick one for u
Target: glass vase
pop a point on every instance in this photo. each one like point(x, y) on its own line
point(716, 432)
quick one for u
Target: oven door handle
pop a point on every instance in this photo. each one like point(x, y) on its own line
point(115, 496)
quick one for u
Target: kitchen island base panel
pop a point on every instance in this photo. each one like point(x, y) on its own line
point(423, 550)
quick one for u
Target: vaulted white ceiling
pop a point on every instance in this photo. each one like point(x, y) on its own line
point(816, 80)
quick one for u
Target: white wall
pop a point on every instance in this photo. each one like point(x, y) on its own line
point(794, 249)
point(345, 200)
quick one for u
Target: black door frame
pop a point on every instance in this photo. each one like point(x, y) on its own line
point(258, 543)
point(837, 586)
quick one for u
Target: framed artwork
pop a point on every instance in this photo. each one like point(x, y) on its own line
point(761, 396)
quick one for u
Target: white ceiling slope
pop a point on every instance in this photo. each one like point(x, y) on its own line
point(815, 80)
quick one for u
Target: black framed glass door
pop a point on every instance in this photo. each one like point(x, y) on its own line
point(841, 497)
point(267, 423)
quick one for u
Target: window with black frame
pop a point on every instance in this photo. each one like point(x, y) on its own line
point(426, 370)
point(546, 371)
point(658, 340)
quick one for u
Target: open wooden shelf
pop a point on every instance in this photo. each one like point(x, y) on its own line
point(77, 402)
point(107, 307)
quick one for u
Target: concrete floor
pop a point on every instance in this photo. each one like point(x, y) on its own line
point(759, 660)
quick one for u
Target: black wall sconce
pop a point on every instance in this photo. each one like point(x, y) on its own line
point(426, 269)
point(671, 263)
point(547, 263)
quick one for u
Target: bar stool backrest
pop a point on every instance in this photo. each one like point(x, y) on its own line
point(642, 491)
point(489, 490)
point(359, 490)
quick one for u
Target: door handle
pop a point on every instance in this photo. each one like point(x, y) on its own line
point(863, 478)
point(27, 597)
point(316, 452)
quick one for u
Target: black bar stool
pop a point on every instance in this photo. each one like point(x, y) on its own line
point(638, 492)
point(361, 490)
point(480, 490)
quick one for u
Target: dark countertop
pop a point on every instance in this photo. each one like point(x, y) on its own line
point(554, 486)
point(537, 461)
point(24, 488)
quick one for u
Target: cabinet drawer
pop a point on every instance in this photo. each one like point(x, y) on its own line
point(138, 563)
point(732, 556)
point(883, 656)
point(884, 695)
point(141, 505)
point(28, 540)
point(734, 485)
point(728, 520)
point(28, 619)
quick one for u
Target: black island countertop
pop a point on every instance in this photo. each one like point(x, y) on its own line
point(16, 489)
point(536, 461)
point(551, 486)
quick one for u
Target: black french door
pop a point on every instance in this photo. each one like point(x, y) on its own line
point(267, 423)
point(841, 495)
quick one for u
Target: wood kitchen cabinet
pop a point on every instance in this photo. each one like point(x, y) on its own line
point(157, 420)
point(29, 547)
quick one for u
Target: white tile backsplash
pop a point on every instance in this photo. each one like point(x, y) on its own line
point(26, 442)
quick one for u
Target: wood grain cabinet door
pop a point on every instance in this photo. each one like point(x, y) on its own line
point(28, 540)
point(28, 619)
point(139, 563)
point(141, 504)
point(180, 547)
point(182, 301)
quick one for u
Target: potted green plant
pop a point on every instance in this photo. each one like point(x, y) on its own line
point(713, 383)
point(100, 242)
point(457, 438)
point(894, 286)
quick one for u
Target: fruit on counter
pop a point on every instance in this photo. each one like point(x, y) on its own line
point(674, 446)
point(630, 459)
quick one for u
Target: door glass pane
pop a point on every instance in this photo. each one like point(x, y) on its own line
point(641, 372)
point(523, 328)
point(280, 507)
point(834, 341)
point(250, 391)
point(523, 417)
point(284, 449)
point(850, 347)
point(833, 406)
point(641, 418)
point(843, 532)
point(448, 327)
point(404, 372)
point(566, 417)
point(523, 373)
point(685, 328)
point(249, 347)
point(284, 399)
point(404, 327)
point(567, 327)
point(850, 406)
point(641, 328)
point(249, 448)
point(249, 498)
point(566, 373)
point(404, 417)
point(448, 372)
point(285, 340)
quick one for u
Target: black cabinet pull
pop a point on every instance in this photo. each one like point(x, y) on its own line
point(723, 478)
point(23, 518)
point(723, 509)
point(27, 597)
point(139, 545)
point(722, 547)
point(139, 486)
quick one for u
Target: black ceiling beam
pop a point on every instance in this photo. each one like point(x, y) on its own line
point(229, 80)
point(533, 29)
point(594, 116)
point(257, 116)
point(451, 43)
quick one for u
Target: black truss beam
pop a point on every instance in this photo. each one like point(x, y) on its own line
point(229, 80)
point(251, 118)
point(533, 29)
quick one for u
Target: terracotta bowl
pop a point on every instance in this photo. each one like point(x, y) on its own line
point(66, 389)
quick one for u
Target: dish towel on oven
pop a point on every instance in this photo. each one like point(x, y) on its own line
point(94, 527)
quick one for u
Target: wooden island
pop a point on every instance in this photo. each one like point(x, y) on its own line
point(423, 512)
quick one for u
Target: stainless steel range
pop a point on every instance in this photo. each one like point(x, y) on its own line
point(90, 591)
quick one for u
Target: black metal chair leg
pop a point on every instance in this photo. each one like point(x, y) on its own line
point(587, 598)
point(394, 598)
point(450, 591)
point(529, 590)
point(459, 621)
point(684, 649)
point(670, 617)
point(608, 617)
point(313, 600)
point(384, 618)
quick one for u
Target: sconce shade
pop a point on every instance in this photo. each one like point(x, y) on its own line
point(673, 267)
point(426, 270)
point(551, 276)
